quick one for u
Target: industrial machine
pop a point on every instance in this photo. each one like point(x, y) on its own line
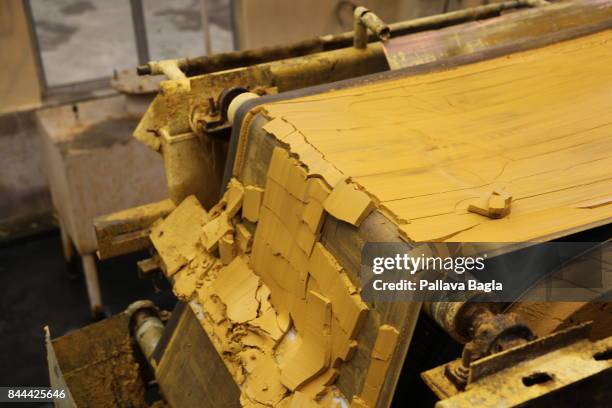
point(486, 125)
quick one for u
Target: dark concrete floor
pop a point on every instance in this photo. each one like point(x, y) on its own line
point(36, 290)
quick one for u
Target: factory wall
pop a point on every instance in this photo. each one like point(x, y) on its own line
point(19, 87)
point(24, 199)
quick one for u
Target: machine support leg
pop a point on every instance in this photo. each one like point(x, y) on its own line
point(93, 285)
point(67, 248)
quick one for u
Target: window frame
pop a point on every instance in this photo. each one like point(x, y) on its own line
point(65, 91)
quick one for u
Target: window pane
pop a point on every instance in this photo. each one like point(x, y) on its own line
point(174, 28)
point(84, 39)
point(220, 22)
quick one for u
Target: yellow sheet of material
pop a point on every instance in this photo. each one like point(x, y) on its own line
point(537, 124)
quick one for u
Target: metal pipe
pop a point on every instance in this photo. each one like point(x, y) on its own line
point(170, 68)
point(235, 59)
point(92, 284)
point(146, 326)
point(364, 20)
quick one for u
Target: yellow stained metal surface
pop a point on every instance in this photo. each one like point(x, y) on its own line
point(534, 124)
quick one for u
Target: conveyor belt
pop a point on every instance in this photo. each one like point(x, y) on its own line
point(536, 123)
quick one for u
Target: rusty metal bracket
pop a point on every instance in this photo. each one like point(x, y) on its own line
point(560, 369)
point(491, 333)
point(482, 327)
point(211, 118)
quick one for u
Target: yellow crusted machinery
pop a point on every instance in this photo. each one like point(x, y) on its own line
point(486, 125)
